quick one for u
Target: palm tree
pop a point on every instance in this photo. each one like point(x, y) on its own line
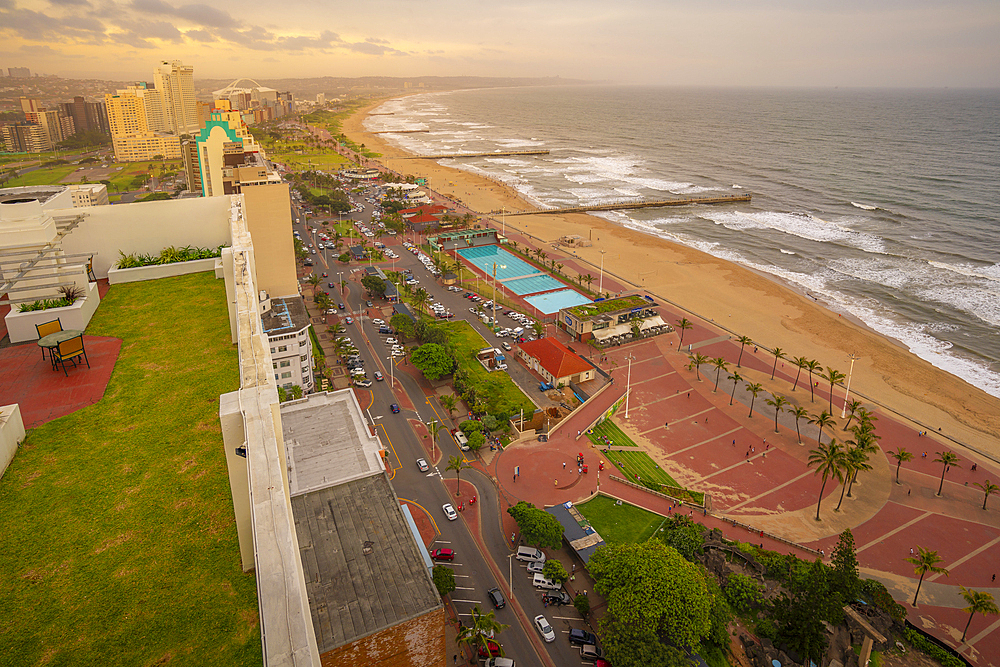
point(696, 361)
point(449, 402)
point(683, 324)
point(812, 367)
point(720, 365)
point(988, 489)
point(477, 634)
point(947, 459)
point(852, 406)
point(736, 378)
point(743, 341)
point(754, 388)
point(434, 428)
point(778, 354)
point(833, 376)
point(777, 402)
point(822, 420)
point(314, 280)
point(857, 459)
point(799, 412)
point(588, 279)
point(979, 603)
point(901, 456)
point(925, 561)
point(801, 362)
point(829, 462)
point(420, 298)
point(457, 463)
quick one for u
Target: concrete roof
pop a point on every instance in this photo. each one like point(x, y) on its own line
point(362, 568)
point(286, 316)
point(577, 530)
point(327, 441)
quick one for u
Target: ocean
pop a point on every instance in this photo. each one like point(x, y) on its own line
point(884, 204)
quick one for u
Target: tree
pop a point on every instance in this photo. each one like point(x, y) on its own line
point(651, 591)
point(536, 525)
point(822, 420)
point(742, 592)
point(582, 604)
point(778, 403)
point(449, 402)
point(813, 366)
point(901, 456)
point(420, 298)
point(434, 428)
point(801, 362)
point(696, 361)
point(829, 462)
point(799, 412)
point(538, 328)
point(855, 460)
point(988, 489)
point(478, 633)
point(799, 614)
point(444, 579)
point(979, 603)
point(844, 577)
point(833, 376)
point(778, 354)
point(432, 360)
point(457, 463)
point(374, 285)
point(476, 441)
point(402, 325)
point(743, 341)
point(754, 388)
point(683, 324)
point(925, 561)
point(314, 280)
point(947, 459)
point(852, 406)
point(720, 365)
point(736, 378)
point(555, 571)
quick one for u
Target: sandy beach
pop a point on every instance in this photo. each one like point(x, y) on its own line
point(735, 299)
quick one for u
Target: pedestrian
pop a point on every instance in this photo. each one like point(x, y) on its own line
point(734, 442)
point(556, 482)
point(689, 394)
point(564, 465)
point(574, 567)
point(911, 551)
point(579, 471)
point(907, 492)
point(515, 478)
point(455, 659)
point(994, 577)
point(572, 577)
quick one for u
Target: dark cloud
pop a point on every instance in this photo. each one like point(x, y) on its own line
point(200, 35)
point(201, 14)
point(70, 3)
point(373, 49)
point(36, 26)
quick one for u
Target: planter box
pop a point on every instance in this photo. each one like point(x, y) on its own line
point(11, 434)
point(21, 326)
point(157, 271)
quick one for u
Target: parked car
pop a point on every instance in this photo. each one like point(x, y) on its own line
point(590, 653)
point(379, 376)
point(422, 465)
point(580, 637)
point(536, 567)
point(544, 629)
point(499, 662)
point(493, 650)
point(349, 319)
point(496, 597)
point(449, 511)
point(443, 554)
point(539, 581)
point(505, 345)
point(557, 599)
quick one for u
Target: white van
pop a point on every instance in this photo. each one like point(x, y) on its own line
point(539, 581)
point(462, 441)
point(530, 555)
point(499, 662)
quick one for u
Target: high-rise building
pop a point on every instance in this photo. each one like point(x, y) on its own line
point(24, 138)
point(175, 83)
point(19, 72)
point(133, 138)
point(55, 124)
point(87, 116)
point(224, 157)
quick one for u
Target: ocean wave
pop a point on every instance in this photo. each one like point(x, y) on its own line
point(983, 304)
point(797, 224)
point(970, 270)
point(737, 187)
point(865, 207)
point(786, 252)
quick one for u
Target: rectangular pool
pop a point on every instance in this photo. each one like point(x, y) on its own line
point(515, 274)
point(554, 301)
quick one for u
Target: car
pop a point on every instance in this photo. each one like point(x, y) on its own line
point(591, 653)
point(384, 330)
point(449, 511)
point(536, 567)
point(377, 322)
point(358, 382)
point(496, 597)
point(330, 285)
point(349, 319)
point(544, 629)
point(369, 304)
point(581, 637)
point(505, 345)
point(557, 599)
point(394, 408)
point(379, 376)
point(422, 465)
point(541, 581)
point(443, 554)
point(324, 274)
point(391, 341)
point(491, 649)
point(499, 662)
point(340, 306)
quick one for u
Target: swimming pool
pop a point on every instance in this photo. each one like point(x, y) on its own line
point(554, 301)
point(512, 272)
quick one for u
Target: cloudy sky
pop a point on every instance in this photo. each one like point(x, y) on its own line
point(705, 42)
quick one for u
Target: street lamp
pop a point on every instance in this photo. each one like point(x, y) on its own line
point(628, 383)
point(854, 357)
point(433, 437)
point(502, 266)
point(392, 376)
point(601, 288)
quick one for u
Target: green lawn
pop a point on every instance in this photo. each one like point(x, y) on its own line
point(633, 463)
point(325, 160)
point(119, 541)
point(619, 523)
point(46, 176)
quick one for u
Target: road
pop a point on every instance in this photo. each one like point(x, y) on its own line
point(474, 576)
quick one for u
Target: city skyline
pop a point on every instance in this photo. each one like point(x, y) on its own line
point(722, 43)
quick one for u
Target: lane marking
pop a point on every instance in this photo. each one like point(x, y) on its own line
point(400, 464)
point(433, 522)
point(967, 556)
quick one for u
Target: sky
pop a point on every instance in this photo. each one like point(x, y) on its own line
point(850, 43)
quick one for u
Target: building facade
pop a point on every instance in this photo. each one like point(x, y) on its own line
point(224, 157)
point(286, 323)
point(603, 318)
point(175, 83)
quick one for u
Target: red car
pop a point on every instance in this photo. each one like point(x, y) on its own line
point(494, 649)
point(443, 554)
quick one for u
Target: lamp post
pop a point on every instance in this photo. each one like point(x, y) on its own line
point(510, 571)
point(843, 413)
point(601, 288)
point(628, 384)
point(433, 437)
point(392, 376)
point(493, 325)
point(503, 221)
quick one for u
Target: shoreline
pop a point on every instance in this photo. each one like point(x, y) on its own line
point(735, 298)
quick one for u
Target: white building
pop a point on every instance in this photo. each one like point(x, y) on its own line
point(286, 323)
point(89, 194)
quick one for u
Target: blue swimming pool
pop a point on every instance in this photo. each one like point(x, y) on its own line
point(554, 301)
point(512, 272)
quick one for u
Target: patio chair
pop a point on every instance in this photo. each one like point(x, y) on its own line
point(90, 270)
point(69, 350)
point(48, 328)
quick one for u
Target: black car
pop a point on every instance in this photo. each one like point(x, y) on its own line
point(496, 597)
point(340, 306)
point(557, 599)
point(581, 637)
point(384, 330)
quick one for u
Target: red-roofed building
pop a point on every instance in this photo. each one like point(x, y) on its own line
point(555, 362)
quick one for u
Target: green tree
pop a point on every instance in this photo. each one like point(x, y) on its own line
point(736, 378)
point(457, 463)
point(852, 407)
point(683, 324)
point(555, 571)
point(801, 362)
point(742, 592)
point(582, 604)
point(374, 285)
point(536, 525)
point(754, 388)
point(844, 577)
point(490, 423)
point(402, 325)
point(476, 441)
point(829, 462)
point(777, 402)
point(743, 341)
point(925, 561)
point(696, 361)
point(901, 456)
point(720, 365)
point(449, 402)
point(470, 426)
point(947, 459)
point(444, 579)
point(434, 428)
point(812, 366)
point(833, 376)
point(799, 412)
point(822, 420)
point(433, 361)
point(684, 535)
point(799, 613)
point(478, 632)
point(979, 603)
point(651, 591)
point(988, 488)
point(778, 354)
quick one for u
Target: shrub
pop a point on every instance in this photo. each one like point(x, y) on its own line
point(876, 593)
point(582, 604)
point(444, 579)
point(470, 426)
point(742, 592)
point(921, 643)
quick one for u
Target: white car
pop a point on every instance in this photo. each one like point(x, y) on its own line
point(391, 341)
point(545, 629)
point(422, 465)
point(378, 322)
point(449, 511)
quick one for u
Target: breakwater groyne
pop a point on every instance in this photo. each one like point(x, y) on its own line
point(454, 155)
point(630, 205)
point(399, 131)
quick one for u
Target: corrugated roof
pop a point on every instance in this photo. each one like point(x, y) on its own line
point(555, 357)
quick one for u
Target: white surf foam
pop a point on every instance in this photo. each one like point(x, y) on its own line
point(986, 272)
point(866, 207)
point(802, 225)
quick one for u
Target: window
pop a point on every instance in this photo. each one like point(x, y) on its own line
point(282, 348)
point(274, 364)
point(286, 364)
point(286, 375)
point(303, 357)
point(272, 350)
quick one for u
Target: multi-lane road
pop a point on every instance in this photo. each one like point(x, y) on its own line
point(474, 576)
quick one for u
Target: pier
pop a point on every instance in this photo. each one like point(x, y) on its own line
point(399, 131)
point(454, 155)
point(630, 205)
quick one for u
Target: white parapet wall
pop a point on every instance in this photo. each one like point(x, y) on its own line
point(157, 271)
point(11, 434)
point(21, 326)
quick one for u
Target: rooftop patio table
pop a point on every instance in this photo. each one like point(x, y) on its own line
point(52, 340)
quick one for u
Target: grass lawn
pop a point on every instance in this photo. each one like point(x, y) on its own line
point(119, 541)
point(46, 176)
point(619, 523)
point(310, 160)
